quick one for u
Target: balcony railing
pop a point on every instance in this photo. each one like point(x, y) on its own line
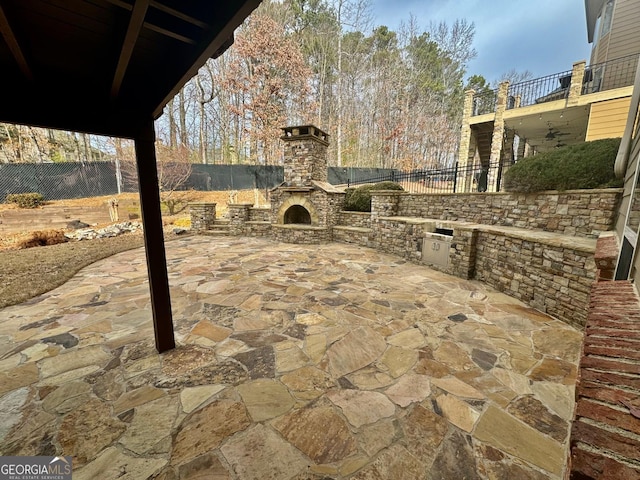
point(484, 102)
point(616, 73)
point(540, 90)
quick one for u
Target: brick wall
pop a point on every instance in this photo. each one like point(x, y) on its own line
point(605, 436)
point(574, 212)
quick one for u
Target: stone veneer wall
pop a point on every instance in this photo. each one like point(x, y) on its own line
point(327, 205)
point(574, 212)
point(203, 216)
point(354, 219)
point(259, 214)
point(301, 234)
point(551, 275)
point(238, 217)
point(305, 159)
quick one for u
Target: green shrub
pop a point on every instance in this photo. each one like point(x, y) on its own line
point(582, 166)
point(359, 199)
point(25, 200)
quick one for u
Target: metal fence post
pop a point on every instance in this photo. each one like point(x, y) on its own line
point(455, 178)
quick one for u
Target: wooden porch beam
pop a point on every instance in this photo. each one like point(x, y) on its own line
point(14, 46)
point(177, 14)
point(154, 238)
point(133, 31)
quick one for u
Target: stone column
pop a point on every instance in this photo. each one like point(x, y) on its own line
point(522, 145)
point(203, 216)
point(467, 141)
point(305, 155)
point(577, 77)
point(238, 217)
point(507, 153)
point(498, 137)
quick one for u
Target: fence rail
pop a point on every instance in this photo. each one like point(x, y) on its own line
point(437, 180)
point(484, 102)
point(540, 90)
point(616, 73)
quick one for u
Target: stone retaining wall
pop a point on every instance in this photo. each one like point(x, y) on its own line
point(302, 234)
point(548, 275)
point(574, 212)
point(354, 219)
point(356, 235)
point(260, 214)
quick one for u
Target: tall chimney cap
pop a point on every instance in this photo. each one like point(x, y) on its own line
point(305, 131)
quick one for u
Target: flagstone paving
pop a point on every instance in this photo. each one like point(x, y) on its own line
point(293, 363)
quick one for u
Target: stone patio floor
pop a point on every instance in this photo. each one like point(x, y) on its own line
point(294, 362)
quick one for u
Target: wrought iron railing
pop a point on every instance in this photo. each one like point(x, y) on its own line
point(616, 73)
point(484, 102)
point(436, 180)
point(540, 90)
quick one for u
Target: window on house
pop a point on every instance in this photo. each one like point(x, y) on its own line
point(606, 17)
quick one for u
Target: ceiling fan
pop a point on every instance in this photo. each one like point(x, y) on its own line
point(553, 133)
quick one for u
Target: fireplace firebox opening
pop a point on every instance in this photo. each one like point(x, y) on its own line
point(297, 214)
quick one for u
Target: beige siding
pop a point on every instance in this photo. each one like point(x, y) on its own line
point(628, 189)
point(625, 29)
point(608, 119)
point(635, 157)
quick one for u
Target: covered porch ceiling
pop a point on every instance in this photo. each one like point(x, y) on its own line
point(100, 66)
point(109, 67)
point(551, 129)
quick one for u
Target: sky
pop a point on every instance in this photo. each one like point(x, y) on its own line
point(542, 36)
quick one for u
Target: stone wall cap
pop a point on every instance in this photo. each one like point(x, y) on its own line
point(201, 204)
point(580, 244)
point(327, 187)
point(592, 191)
point(298, 226)
point(303, 132)
point(389, 192)
point(350, 212)
point(240, 205)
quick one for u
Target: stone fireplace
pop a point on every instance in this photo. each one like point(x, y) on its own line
point(305, 207)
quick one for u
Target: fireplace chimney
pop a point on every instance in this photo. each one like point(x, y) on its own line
point(305, 155)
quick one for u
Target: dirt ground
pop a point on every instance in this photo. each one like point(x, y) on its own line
point(27, 273)
point(129, 206)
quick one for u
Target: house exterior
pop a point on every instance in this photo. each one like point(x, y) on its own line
point(587, 102)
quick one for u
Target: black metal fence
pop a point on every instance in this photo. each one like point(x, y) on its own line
point(484, 102)
point(540, 90)
point(472, 178)
point(616, 73)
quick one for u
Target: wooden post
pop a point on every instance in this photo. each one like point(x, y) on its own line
point(154, 238)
